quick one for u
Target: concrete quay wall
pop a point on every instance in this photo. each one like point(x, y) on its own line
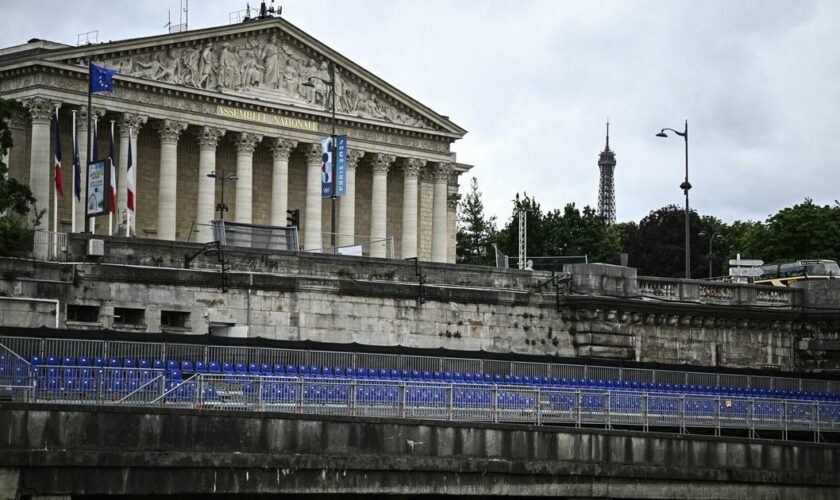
point(113, 451)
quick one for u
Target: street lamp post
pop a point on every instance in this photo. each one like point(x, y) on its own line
point(685, 186)
point(331, 83)
point(711, 241)
point(221, 206)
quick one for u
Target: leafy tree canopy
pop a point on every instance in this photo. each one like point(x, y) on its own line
point(16, 201)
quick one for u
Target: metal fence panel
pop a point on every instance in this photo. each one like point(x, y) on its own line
point(460, 365)
point(604, 373)
point(814, 385)
point(496, 367)
point(135, 351)
point(701, 379)
point(734, 381)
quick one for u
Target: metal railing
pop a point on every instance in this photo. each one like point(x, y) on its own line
point(48, 245)
point(59, 348)
point(146, 387)
point(255, 236)
point(357, 244)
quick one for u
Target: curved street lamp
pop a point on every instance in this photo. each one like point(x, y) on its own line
point(711, 241)
point(685, 186)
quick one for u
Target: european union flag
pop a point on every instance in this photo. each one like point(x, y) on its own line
point(100, 79)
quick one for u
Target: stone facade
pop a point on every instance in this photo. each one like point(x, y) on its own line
point(597, 311)
point(264, 80)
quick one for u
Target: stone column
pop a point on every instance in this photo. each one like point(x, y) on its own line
point(17, 167)
point(129, 124)
point(452, 226)
point(347, 203)
point(81, 137)
point(280, 151)
point(411, 170)
point(208, 139)
point(135, 164)
point(312, 223)
point(379, 204)
point(169, 131)
point(439, 208)
point(41, 110)
point(245, 144)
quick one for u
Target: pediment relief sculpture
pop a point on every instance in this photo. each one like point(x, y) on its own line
point(263, 66)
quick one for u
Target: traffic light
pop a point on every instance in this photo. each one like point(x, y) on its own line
point(293, 217)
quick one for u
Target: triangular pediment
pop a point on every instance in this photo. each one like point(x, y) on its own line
point(269, 61)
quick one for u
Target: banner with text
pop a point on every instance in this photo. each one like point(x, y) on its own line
point(340, 166)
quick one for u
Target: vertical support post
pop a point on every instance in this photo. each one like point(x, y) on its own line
point(495, 396)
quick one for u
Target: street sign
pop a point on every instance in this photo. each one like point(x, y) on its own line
point(746, 262)
point(746, 272)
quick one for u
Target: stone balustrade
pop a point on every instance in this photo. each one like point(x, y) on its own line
point(616, 281)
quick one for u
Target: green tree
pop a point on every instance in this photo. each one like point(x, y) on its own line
point(803, 231)
point(656, 247)
point(570, 232)
point(476, 232)
point(16, 201)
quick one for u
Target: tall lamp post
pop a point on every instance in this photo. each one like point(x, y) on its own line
point(685, 186)
point(331, 83)
point(221, 206)
point(711, 241)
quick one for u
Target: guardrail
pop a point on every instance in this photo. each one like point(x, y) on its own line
point(59, 348)
point(49, 245)
point(418, 400)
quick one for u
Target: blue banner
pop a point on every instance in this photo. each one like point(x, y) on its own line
point(326, 167)
point(341, 165)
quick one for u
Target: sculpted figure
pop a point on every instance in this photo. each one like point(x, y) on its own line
point(369, 106)
point(205, 66)
point(308, 71)
point(146, 69)
point(189, 66)
point(250, 67)
point(349, 100)
point(291, 77)
point(320, 80)
point(229, 76)
point(345, 97)
point(271, 57)
point(169, 68)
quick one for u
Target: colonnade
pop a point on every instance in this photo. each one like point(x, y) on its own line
point(170, 132)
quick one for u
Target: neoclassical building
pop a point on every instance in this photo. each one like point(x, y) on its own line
point(251, 99)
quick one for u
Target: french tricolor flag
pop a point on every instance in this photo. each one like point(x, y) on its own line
point(59, 184)
point(129, 172)
point(112, 190)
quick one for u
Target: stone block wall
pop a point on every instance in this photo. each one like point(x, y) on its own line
point(300, 296)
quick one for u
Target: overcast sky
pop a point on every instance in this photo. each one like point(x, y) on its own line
point(534, 81)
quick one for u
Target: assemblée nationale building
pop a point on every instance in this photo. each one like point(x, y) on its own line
point(251, 99)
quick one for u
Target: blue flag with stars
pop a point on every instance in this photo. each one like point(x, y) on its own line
point(100, 79)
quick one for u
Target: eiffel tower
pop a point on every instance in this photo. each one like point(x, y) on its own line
point(606, 190)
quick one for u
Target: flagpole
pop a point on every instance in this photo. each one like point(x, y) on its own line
point(96, 136)
point(54, 236)
point(127, 186)
point(90, 148)
point(73, 194)
point(111, 211)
